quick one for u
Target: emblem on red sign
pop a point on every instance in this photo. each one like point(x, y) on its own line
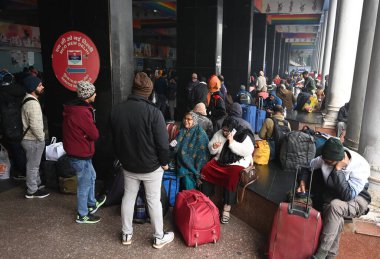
point(75, 58)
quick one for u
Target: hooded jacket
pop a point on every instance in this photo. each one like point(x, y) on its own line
point(79, 129)
point(236, 112)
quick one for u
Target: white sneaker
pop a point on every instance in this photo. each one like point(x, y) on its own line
point(161, 242)
point(126, 239)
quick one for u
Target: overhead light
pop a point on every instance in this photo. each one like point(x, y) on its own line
point(155, 10)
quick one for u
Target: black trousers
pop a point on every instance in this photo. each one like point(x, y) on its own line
point(208, 189)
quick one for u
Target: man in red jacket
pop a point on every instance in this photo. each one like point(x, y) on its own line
point(79, 136)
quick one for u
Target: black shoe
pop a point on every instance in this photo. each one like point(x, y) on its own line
point(100, 201)
point(38, 194)
point(89, 219)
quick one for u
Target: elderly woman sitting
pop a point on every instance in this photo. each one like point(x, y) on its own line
point(233, 147)
point(191, 154)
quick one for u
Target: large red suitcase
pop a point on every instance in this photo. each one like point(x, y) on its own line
point(295, 230)
point(196, 217)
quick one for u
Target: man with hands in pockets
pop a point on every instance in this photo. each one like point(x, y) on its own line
point(140, 141)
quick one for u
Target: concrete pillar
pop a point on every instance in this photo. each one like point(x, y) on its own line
point(276, 54)
point(271, 40)
point(237, 35)
point(282, 57)
point(196, 22)
point(329, 39)
point(359, 86)
point(343, 60)
point(109, 25)
point(323, 42)
point(281, 42)
point(258, 41)
point(369, 145)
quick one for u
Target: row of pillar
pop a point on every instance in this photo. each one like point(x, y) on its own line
point(352, 61)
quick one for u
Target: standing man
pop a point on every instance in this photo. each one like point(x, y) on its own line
point(79, 136)
point(261, 81)
point(140, 141)
point(309, 84)
point(190, 91)
point(345, 174)
point(34, 139)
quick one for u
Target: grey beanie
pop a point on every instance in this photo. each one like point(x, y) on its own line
point(85, 90)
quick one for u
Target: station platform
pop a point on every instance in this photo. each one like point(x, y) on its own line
point(46, 228)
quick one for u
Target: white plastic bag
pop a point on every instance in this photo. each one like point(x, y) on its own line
point(5, 164)
point(55, 150)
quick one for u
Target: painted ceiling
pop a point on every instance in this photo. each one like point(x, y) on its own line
point(289, 6)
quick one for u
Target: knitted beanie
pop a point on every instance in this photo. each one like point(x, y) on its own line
point(142, 85)
point(85, 90)
point(333, 150)
point(31, 83)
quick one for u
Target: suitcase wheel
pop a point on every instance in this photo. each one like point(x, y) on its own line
point(214, 240)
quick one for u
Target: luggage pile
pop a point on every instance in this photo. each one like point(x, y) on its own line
point(255, 116)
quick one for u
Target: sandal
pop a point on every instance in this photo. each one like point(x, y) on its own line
point(225, 214)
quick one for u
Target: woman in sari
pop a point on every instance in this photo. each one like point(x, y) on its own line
point(191, 151)
point(233, 148)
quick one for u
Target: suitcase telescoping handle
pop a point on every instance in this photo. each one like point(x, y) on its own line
point(295, 210)
point(261, 103)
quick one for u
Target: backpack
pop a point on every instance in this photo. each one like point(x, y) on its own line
point(11, 123)
point(280, 129)
point(245, 98)
point(298, 148)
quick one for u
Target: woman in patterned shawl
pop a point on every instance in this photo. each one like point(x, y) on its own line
point(192, 152)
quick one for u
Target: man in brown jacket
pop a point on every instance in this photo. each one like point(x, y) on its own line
point(287, 97)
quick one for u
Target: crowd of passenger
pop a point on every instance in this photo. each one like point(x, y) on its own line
point(212, 147)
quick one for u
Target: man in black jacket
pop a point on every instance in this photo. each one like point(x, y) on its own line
point(140, 141)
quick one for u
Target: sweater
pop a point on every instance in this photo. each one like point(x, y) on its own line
point(31, 114)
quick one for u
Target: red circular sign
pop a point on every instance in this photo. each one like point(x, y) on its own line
point(75, 58)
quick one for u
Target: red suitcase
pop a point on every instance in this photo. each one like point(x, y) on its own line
point(196, 217)
point(295, 230)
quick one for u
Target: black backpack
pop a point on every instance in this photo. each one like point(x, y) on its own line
point(245, 98)
point(11, 123)
point(280, 129)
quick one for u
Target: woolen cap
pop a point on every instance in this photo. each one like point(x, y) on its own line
point(85, 90)
point(142, 85)
point(31, 83)
point(333, 150)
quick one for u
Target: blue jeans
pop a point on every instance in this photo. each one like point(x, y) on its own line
point(86, 176)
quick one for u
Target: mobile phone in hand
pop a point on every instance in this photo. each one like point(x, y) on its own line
point(233, 132)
